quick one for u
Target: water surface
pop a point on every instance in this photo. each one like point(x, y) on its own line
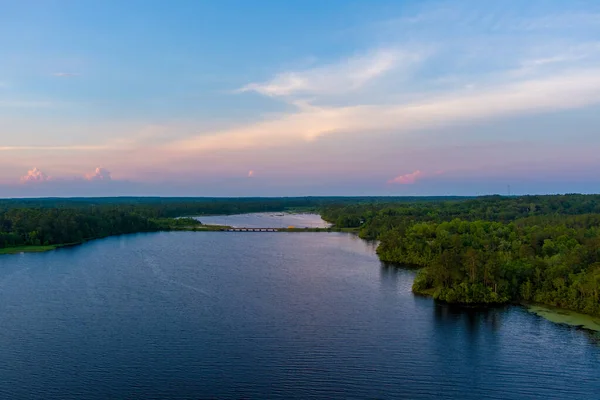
point(266, 220)
point(191, 315)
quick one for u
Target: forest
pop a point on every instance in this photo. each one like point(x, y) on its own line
point(60, 226)
point(491, 250)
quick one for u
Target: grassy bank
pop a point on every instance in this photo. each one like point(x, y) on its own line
point(567, 317)
point(26, 249)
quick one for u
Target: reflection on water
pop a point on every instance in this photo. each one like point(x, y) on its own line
point(394, 275)
point(472, 318)
point(184, 315)
point(389, 273)
point(388, 278)
point(266, 220)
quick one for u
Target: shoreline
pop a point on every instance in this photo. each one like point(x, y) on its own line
point(564, 316)
point(557, 315)
point(27, 249)
point(198, 228)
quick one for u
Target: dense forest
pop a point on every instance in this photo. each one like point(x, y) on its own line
point(57, 226)
point(543, 249)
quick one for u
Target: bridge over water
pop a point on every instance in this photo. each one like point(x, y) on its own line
point(288, 229)
point(252, 229)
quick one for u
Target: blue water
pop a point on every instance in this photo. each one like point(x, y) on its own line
point(195, 315)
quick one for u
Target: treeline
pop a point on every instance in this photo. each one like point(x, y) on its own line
point(49, 222)
point(54, 226)
point(165, 207)
point(543, 249)
point(158, 207)
point(379, 217)
point(58, 221)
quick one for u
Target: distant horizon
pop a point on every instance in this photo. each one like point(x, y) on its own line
point(299, 196)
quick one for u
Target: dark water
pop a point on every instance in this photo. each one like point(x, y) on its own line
point(263, 315)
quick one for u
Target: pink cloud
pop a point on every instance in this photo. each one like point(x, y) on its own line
point(407, 179)
point(250, 174)
point(100, 174)
point(35, 175)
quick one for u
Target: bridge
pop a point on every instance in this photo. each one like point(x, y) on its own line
point(288, 229)
point(252, 229)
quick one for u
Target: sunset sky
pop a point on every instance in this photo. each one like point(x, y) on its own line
point(336, 97)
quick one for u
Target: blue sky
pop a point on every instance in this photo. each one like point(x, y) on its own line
point(234, 98)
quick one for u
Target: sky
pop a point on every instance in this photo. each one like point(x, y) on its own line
point(295, 98)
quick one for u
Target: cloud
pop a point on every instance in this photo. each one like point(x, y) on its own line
point(65, 74)
point(250, 174)
point(404, 84)
point(407, 179)
point(467, 81)
point(563, 20)
point(54, 148)
point(26, 104)
point(100, 174)
point(345, 76)
point(35, 175)
point(573, 89)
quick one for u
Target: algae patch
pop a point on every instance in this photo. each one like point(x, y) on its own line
point(561, 316)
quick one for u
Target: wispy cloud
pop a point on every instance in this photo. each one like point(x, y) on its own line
point(436, 69)
point(65, 74)
point(35, 175)
point(457, 84)
point(26, 104)
point(54, 148)
point(344, 76)
point(574, 89)
point(558, 21)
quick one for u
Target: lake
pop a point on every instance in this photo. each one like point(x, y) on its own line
point(195, 315)
point(266, 220)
